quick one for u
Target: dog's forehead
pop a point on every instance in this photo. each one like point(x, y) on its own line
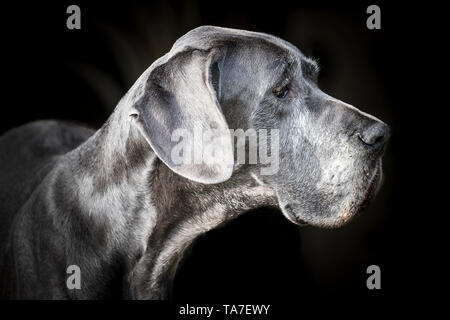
point(277, 52)
point(206, 37)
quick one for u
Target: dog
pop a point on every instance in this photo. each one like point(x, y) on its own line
point(116, 204)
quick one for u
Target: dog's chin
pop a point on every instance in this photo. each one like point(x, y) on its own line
point(338, 215)
point(368, 192)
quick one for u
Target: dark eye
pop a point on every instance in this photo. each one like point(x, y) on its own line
point(280, 92)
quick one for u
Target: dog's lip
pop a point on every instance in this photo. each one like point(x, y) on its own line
point(288, 211)
point(290, 214)
point(356, 209)
point(368, 194)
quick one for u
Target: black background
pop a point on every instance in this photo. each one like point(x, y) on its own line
point(52, 72)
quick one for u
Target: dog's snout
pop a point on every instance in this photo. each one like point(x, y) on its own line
point(376, 135)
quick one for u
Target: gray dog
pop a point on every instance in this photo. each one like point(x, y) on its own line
point(114, 203)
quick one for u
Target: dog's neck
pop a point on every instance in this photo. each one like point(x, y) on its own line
point(152, 211)
point(184, 211)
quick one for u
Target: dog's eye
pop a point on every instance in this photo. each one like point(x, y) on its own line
point(280, 92)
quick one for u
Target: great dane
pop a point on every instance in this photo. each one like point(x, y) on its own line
point(114, 203)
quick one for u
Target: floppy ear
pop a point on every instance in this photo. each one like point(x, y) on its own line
point(180, 98)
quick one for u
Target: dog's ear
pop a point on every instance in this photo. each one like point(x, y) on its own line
point(179, 99)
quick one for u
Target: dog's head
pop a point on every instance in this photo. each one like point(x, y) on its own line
point(328, 153)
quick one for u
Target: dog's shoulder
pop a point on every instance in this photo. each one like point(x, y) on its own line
point(27, 154)
point(26, 149)
point(39, 138)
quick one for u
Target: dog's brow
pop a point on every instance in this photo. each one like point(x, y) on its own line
point(283, 68)
point(278, 65)
point(310, 68)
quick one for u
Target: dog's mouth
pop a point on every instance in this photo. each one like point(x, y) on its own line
point(356, 207)
point(373, 186)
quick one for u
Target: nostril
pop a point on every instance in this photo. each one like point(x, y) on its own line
point(376, 135)
point(378, 139)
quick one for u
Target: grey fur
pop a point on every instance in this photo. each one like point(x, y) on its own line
point(113, 203)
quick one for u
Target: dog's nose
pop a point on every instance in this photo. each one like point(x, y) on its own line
point(376, 135)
